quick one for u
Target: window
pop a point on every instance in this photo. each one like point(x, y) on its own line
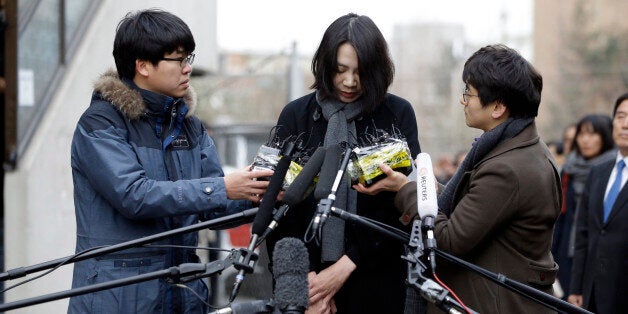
point(47, 33)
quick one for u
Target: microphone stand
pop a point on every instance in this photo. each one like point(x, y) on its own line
point(249, 258)
point(515, 286)
point(277, 215)
point(244, 266)
point(429, 289)
point(433, 289)
point(177, 274)
point(324, 206)
point(213, 223)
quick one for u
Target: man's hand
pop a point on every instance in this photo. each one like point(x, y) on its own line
point(241, 185)
point(393, 181)
point(575, 299)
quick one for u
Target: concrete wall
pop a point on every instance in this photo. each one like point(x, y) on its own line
point(39, 210)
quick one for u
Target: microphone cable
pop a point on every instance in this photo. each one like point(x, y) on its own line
point(67, 260)
point(452, 293)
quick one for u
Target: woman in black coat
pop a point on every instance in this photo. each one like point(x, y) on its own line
point(592, 145)
point(356, 270)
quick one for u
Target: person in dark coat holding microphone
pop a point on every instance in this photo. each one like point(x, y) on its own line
point(499, 209)
point(142, 164)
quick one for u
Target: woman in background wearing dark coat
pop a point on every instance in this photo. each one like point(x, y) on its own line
point(592, 145)
point(359, 270)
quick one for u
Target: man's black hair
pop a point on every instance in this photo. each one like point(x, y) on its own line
point(618, 102)
point(501, 74)
point(149, 35)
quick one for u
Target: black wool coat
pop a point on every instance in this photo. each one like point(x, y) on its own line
point(378, 280)
point(601, 254)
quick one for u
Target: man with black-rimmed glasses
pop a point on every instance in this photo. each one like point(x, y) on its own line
point(498, 210)
point(142, 164)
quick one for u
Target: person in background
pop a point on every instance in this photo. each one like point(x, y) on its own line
point(568, 137)
point(459, 158)
point(358, 270)
point(562, 148)
point(593, 144)
point(499, 209)
point(444, 168)
point(143, 164)
point(599, 279)
point(557, 148)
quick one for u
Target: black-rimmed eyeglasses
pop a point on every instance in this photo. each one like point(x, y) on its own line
point(466, 95)
point(183, 60)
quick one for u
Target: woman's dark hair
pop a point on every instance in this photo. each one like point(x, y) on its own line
point(374, 64)
point(559, 146)
point(149, 35)
point(501, 74)
point(600, 124)
point(618, 102)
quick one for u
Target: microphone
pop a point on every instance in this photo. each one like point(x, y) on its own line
point(324, 191)
point(298, 190)
point(257, 306)
point(427, 203)
point(291, 295)
point(262, 219)
point(328, 171)
point(290, 268)
point(266, 206)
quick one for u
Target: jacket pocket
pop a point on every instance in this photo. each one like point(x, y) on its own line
point(541, 275)
point(143, 297)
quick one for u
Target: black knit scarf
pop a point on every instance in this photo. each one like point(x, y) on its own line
point(340, 130)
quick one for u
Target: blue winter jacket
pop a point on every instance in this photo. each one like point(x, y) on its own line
point(141, 164)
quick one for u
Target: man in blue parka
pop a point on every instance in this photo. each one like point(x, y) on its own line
point(142, 164)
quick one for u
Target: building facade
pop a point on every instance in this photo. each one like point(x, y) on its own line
point(581, 49)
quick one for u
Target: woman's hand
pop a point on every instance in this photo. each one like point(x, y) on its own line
point(393, 181)
point(325, 284)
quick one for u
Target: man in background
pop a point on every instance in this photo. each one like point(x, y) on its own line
point(599, 278)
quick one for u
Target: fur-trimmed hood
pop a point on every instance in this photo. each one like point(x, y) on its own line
point(128, 100)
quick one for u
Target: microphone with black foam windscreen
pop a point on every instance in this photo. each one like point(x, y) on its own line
point(298, 190)
point(267, 205)
point(330, 167)
point(262, 219)
point(290, 268)
point(427, 202)
point(291, 294)
point(325, 191)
